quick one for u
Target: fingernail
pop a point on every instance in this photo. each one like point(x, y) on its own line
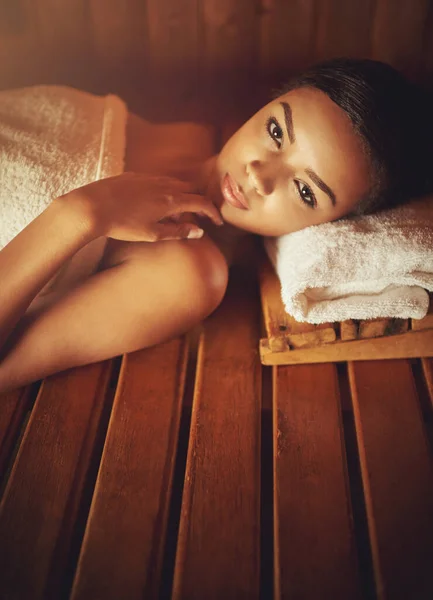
point(195, 233)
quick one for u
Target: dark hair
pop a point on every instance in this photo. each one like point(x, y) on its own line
point(393, 118)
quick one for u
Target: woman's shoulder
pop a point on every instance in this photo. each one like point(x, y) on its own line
point(166, 148)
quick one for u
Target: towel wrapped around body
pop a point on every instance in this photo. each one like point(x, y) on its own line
point(364, 267)
point(54, 139)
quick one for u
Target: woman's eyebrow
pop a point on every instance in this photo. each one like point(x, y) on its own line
point(322, 185)
point(312, 174)
point(289, 121)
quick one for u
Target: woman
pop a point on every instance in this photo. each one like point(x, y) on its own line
point(345, 137)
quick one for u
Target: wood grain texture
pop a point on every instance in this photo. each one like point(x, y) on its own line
point(413, 344)
point(173, 51)
point(43, 494)
point(379, 327)
point(119, 33)
point(64, 37)
point(12, 17)
point(229, 35)
point(287, 32)
point(13, 408)
point(343, 28)
point(228, 52)
point(47, 42)
point(314, 546)
point(397, 477)
point(190, 49)
point(173, 34)
point(21, 61)
point(124, 540)
point(398, 33)
point(427, 366)
point(373, 328)
point(218, 549)
point(348, 330)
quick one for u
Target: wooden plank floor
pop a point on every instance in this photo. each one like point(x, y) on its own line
point(219, 537)
point(314, 542)
point(123, 544)
point(155, 479)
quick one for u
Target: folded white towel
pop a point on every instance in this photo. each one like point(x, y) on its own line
point(52, 140)
point(359, 268)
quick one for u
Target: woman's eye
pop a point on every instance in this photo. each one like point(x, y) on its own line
point(306, 194)
point(274, 130)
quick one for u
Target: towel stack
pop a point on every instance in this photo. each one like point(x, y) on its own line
point(359, 268)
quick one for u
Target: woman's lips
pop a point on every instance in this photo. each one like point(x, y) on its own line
point(232, 193)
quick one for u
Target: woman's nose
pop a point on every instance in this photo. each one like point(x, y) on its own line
point(261, 176)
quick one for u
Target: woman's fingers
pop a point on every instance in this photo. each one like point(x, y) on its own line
point(177, 231)
point(194, 203)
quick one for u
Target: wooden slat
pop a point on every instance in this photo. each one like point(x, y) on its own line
point(64, 39)
point(314, 546)
point(398, 32)
point(218, 548)
point(12, 18)
point(173, 52)
point(348, 330)
point(413, 344)
point(124, 539)
point(343, 28)
point(229, 35)
point(100, 43)
point(397, 477)
point(46, 41)
point(119, 33)
point(43, 493)
point(13, 407)
point(427, 365)
point(173, 34)
point(228, 50)
point(378, 327)
point(21, 62)
point(373, 328)
point(286, 35)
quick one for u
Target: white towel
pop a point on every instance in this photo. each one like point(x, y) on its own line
point(52, 140)
point(359, 268)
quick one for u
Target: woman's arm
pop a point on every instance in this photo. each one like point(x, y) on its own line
point(34, 256)
point(128, 207)
point(148, 294)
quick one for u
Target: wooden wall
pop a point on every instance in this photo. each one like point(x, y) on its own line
point(159, 53)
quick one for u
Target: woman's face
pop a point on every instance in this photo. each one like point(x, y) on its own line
point(295, 163)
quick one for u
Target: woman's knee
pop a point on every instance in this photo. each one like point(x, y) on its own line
point(210, 271)
point(190, 272)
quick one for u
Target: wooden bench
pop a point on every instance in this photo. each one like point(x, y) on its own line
point(176, 473)
point(170, 474)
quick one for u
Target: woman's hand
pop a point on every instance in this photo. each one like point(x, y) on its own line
point(138, 207)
